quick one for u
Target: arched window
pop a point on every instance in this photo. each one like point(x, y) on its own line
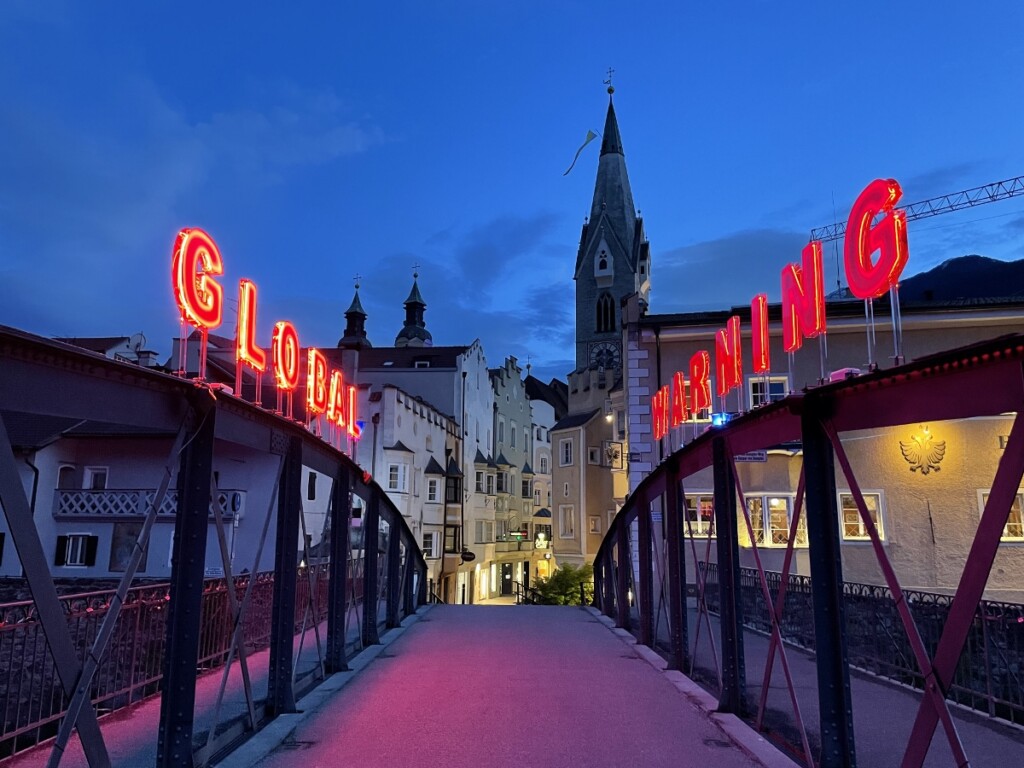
point(602, 260)
point(605, 313)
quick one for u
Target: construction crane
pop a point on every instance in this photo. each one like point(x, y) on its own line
point(968, 198)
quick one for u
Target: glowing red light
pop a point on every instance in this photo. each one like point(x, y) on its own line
point(285, 351)
point(759, 342)
point(728, 356)
point(336, 406)
point(803, 298)
point(700, 384)
point(246, 349)
point(680, 411)
point(659, 413)
point(353, 428)
point(889, 237)
point(200, 298)
point(316, 381)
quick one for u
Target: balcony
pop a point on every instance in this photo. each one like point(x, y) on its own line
point(126, 503)
point(514, 545)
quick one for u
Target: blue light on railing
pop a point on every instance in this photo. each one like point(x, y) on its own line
point(720, 419)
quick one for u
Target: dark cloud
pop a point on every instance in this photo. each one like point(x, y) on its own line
point(727, 271)
point(941, 181)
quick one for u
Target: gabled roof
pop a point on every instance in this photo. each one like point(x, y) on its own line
point(399, 446)
point(501, 461)
point(542, 512)
point(527, 469)
point(453, 468)
point(575, 420)
point(433, 468)
point(480, 458)
point(101, 344)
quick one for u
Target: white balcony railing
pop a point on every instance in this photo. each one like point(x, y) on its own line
point(133, 502)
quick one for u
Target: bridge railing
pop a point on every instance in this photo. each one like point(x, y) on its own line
point(318, 605)
point(755, 607)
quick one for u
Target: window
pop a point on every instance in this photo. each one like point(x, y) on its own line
point(122, 546)
point(430, 544)
point(764, 390)
point(593, 455)
point(1014, 529)
point(512, 434)
point(543, 464)
point(453, 490)
point(526, 489)
point(490, 484)
point(398, 477)
point(96, 478)
point(311, 486)
point(452, 540)
point(566, 521)
point(770, 518)
point(705, 413)
point(501, 430)
point(421, 364)
point(479, 481)
point(700, 515)
point(595, 525)
point(76, 549)
point(433, 490)
point(536, 496)
point(484, 531)
point(503, 482)
point(565, 452)
point(853, 526)
point(605, 321)
point(66, 477)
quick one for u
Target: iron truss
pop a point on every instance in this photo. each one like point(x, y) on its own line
point(934, 206)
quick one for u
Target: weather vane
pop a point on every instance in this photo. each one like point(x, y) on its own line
point(415, 271)
point(357, 277)
point(608, 82)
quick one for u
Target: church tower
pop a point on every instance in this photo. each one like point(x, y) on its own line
point(414, 332)
point(613, 259)
point(355, 326)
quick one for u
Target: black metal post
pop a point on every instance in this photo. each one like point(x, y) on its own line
point(421, 594)
point(730, 617)
point(280, 691)
point(188, 567)
point(408, 582)
point(337, 588)
point(645, 575)
point(676, 555)
point(394, 577)
point(823, 538)
point(623, 568)
point(608, 593)
point(371, 539)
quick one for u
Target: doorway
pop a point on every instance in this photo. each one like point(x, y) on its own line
point(506, 578)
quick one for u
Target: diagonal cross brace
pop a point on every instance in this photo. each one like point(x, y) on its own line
point(106, 631)
point(932, 693)
point(971, 588)
point(40, 582)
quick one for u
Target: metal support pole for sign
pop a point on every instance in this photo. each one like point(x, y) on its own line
point(337, 585)
point(280, 687)
point(823, 539)
point(188, 566)
point(731, 617)
point(676, 555)
point(394, 577)
point(645, 576)
point(371, 539)
point(622, 569)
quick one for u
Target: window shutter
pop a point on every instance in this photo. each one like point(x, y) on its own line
point(90, 549)
point(60, 555)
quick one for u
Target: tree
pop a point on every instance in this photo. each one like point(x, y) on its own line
point(564, 585)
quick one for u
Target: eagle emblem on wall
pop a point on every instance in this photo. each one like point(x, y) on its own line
point(923, 452)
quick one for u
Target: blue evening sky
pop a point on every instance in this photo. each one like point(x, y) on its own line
point(322, 140)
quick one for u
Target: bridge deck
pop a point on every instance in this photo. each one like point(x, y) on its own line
point(490, 685)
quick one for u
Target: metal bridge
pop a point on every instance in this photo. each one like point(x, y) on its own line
point(181, 674)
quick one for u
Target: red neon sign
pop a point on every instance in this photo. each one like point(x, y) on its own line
point(659, 411)
point(700, 386)
point(353, 428)
point(200, 298)
point(285, 351)
point(316, 381)
point(246, 349)
point(803, 298)
point(337, 407)
point(759, 322)
point(728, 356)
point(680, 411)
point(889, 237)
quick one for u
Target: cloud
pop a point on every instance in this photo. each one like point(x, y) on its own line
point(940, 181)
point(724, 272)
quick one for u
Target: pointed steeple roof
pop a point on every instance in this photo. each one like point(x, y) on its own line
point(414, 332)
point(355, 325)
point(612, 213)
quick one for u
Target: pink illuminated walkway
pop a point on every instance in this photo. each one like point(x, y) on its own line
point(506, 686)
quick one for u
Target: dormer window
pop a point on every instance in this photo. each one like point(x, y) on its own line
point(602, 260)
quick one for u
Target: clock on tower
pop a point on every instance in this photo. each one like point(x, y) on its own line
point(604, 354)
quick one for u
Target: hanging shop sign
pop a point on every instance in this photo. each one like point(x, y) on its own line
point(195, 266)
point(875, 254)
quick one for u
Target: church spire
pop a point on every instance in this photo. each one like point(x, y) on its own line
point(355, 325)
point(613, 197)
point(414, 332)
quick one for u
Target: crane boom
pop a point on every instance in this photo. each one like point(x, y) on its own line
point(967, 198)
